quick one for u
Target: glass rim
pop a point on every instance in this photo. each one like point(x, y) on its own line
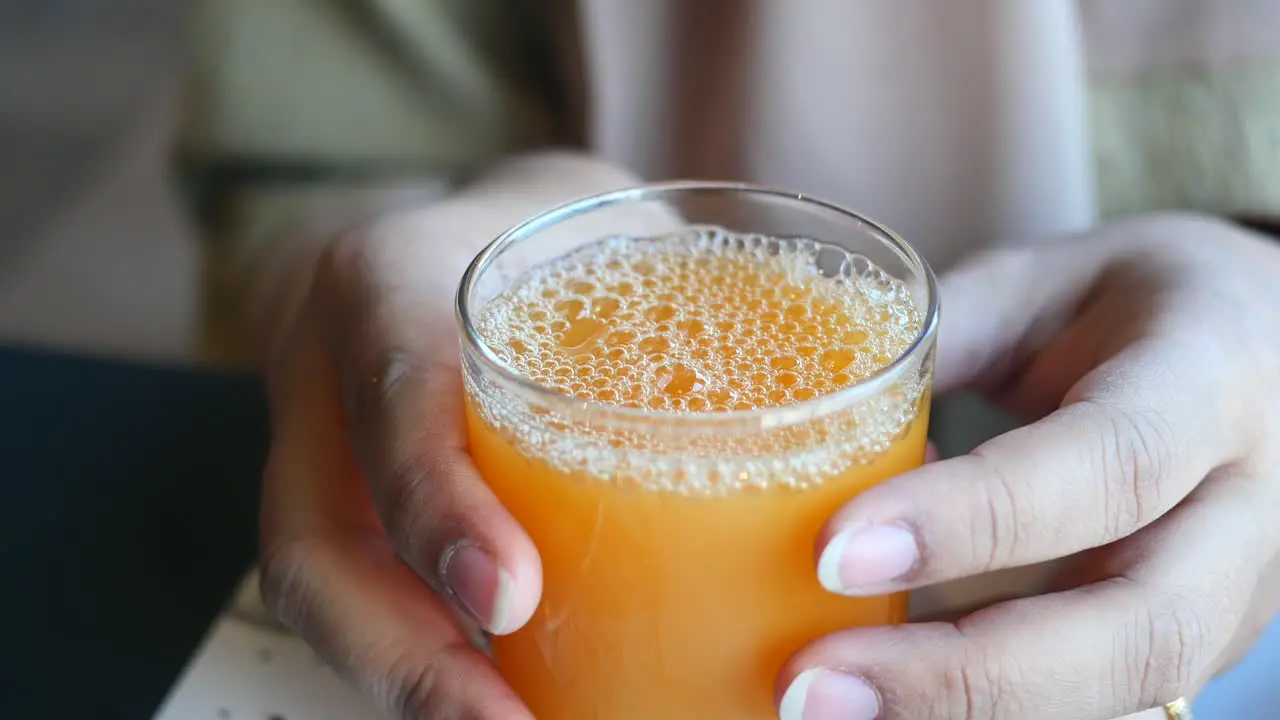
point(766, 417)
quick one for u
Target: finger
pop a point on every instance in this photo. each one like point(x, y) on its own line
point(1266, 603)
point(983, 334)
point(331, 575)
point(1266, 595)
point(1153, 633)
point(398, 370)
point(1101, 467)
point(1101, 564)
point(1003, 305)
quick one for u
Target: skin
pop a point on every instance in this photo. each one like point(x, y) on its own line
point(1143, 352)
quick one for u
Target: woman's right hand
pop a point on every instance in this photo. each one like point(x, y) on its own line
point(380, 544)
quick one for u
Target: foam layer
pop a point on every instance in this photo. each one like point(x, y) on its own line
point(704, 322)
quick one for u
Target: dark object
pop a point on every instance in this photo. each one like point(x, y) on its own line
point(128, 502)
point(1265, 224)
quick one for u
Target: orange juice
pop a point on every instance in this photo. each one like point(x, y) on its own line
point(676, 527)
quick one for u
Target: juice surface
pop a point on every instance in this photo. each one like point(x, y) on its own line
point(679, 573)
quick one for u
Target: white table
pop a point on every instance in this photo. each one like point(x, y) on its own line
point(246, 671)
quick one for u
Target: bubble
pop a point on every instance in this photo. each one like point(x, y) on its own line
point(679, 379)
point(571, 309)
point(605, 307)
point(660, 313)
point(692, 328)
point(837, 360)
point(797, 312)
point(621, 337)
point(655, 344)
point(784, 362)
point(582, 332)
point(854, 337)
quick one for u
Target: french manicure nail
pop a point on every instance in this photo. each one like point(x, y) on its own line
point(821, 694)
point(860, 557)
point(479, 584)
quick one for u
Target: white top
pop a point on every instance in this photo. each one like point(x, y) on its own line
point(954, 123)
point(957, 123)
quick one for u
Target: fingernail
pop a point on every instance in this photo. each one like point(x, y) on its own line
point(821, 694)
point(481, 586)
point(859, 557)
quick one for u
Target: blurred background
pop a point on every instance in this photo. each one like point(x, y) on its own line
point(116, 475)
point(94, 250)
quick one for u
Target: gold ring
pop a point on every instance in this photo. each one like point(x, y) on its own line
point(1179, 709)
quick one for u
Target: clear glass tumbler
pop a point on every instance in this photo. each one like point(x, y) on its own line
point(677, 535)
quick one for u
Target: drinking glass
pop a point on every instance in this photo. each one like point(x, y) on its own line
point(677, 546)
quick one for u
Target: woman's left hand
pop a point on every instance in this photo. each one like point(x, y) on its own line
point(1148, 354)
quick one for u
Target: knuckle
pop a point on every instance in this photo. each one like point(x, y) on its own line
point(969, 691)
point(1136, 458)
point(423, 687)
point(286, 592)
point(1170, 649)
point(1000, 518)
point(970, 686)
point(342, 287)
point(416, 689)
point(341, 259)
point(378, 375)
point(379, 249)
point(413, 513)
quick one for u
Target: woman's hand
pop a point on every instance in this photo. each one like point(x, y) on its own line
point(1147, 355)
point(380, 545)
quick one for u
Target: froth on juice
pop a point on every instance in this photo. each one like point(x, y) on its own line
point(675, 522)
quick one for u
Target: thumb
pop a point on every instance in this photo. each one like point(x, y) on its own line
point(1004, 304)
